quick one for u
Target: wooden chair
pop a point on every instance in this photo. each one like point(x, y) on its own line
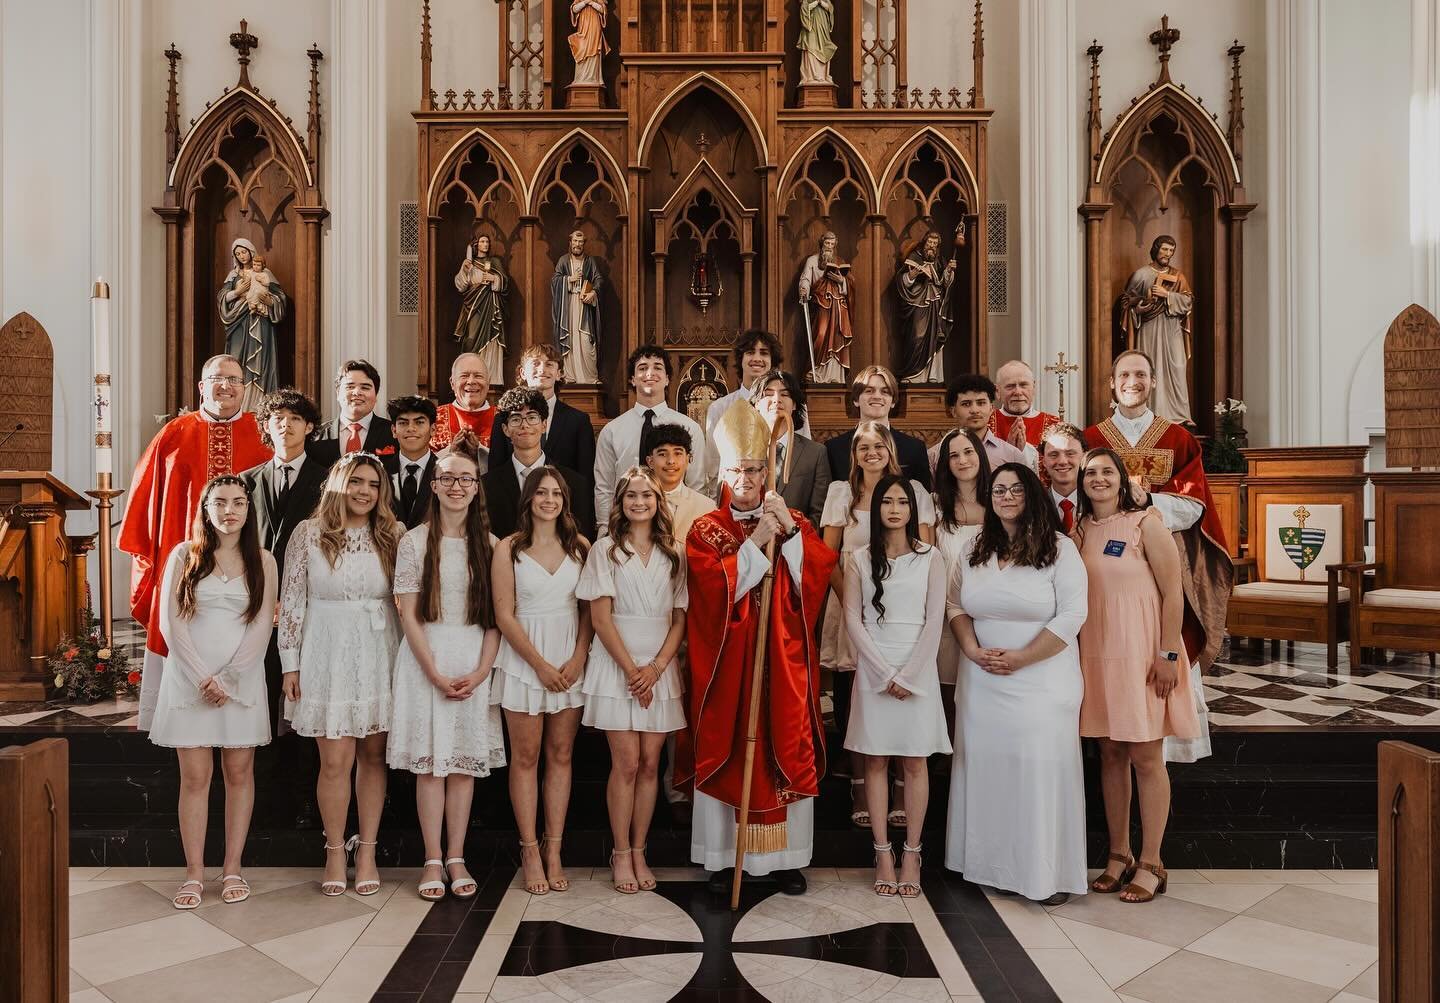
point(1269, 605)
point(1401, 609)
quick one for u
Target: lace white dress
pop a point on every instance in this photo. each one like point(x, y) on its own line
point(645, 597)
point(216, 641)
point(339, 630)
point(430, 734)
point(546, 608)
point(835, 653)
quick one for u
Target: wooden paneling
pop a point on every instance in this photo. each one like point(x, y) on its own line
point(1409, 856)
point(1412, 389)
point(35, 872)
point(1225, 491)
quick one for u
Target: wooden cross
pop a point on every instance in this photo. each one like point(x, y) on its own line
point(243, 42)
point(1061, 369)
point(1164, 39)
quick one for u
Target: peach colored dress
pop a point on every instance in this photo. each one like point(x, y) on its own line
point(1121, 640)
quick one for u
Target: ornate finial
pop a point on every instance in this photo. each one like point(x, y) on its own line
point(427, 95)
point(172, 109)
point(703, 143)
point(1093, 121)
point(977, 53)
point(1164, 39)
point(243, 42)
point(1237, 102)
point(312, 128)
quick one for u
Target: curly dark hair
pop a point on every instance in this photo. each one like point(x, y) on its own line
point(753, 338)
point(285, 399)
point(1036, 543)
point(649, 350)
point(411, 404)
point(520, 399)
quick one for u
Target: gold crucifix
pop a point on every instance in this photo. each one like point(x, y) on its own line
point(1061, 369)
point(1301, 514)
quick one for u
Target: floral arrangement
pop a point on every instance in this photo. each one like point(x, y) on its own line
point(1222, 452)
point(86, 671)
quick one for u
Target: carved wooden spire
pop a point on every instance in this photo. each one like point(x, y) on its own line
point(427, 99)
point(172, 109)
point(1164, 39)
point(1237, 102)
point(1093, 120)
point(977, 93)
point(312, 125)
point(244, 43)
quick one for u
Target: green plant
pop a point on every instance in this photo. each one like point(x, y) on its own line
point(1222, 452)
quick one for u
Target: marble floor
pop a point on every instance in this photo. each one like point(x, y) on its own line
point(1273, 936)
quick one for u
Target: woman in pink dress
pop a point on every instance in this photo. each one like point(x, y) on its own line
point(1131, 656)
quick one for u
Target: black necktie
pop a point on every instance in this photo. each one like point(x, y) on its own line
point(645, 434)
point(283, 496)
point(410, 488)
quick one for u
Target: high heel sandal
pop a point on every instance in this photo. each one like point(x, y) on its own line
point(540, 887)
point(369, 886)
point(884, 888)
point(910, 889)
point(334, 889)
point(1108, 884)
point(461, 888)
point(1146, 894)
point(898, 816)
point(562, 883)
point(645, 884)
point(623, 887)
point(859, 815)
point(424, 888)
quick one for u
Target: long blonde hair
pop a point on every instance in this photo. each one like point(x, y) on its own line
point(330, 514)
point(857, 476)
point(662, 529)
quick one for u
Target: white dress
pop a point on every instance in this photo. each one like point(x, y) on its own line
point(645, 597)
point(546, 608)
point(216, 641)
point(1017, 792)
point(951, 542)
point(835, 653)
point(338, 629)
point(901, 648)
point(429, 733)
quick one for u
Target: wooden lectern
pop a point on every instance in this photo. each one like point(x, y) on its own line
point(1409, 853)
point(35, 872)
point(42, 577)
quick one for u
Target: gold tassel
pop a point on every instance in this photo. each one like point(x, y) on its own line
point(766, 838)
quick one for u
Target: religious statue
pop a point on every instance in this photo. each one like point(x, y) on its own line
point(923, 287)
point(251, 305)
point(825, 280)
point(1157, 309)
point(575, 310)
point(587, 44)
point(483, 287)
point(816, 41)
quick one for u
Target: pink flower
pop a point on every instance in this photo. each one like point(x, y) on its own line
point(71, 653)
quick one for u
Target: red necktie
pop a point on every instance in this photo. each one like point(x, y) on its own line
point(352, 441)
point(1067, 514)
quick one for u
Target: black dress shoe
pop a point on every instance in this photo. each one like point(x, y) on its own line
point(791, 882)
point(1059, 898)
point(720, 882)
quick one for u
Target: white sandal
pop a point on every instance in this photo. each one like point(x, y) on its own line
point(242, 886)
point(461, 888)
point(424, 887)
point(182, 893)
point(369, 886)
point(884, 888)
point(334, 889)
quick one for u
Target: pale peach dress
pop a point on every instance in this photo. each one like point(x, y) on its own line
point(1121, 640)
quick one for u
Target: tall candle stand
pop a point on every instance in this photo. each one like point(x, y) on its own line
point(105, 494)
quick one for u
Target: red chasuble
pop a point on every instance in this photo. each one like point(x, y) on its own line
point(165, 493)
point(1035, 425)
point(790, 747)
point(449, 420)
point(1168, 458)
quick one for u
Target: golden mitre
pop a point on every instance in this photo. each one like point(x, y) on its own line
point(741, 435)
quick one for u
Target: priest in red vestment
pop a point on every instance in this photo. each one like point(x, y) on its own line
point(216, 439)
point(1163, 460)
point(725, 551)
point(1018, 421)
point(471, 385)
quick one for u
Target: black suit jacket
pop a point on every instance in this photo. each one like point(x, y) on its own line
point(502, 499)
point(324, 446)
point(809, 480)
point(412, 517)
point(570, 443)
point(276, 524)
point(914, 461)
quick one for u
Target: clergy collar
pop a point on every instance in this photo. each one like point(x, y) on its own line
point(747, 516)
point(1033, 412)
point(485, 406)
point(1135, 427)
point(215, 419)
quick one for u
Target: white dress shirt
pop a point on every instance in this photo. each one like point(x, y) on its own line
point(522, 471)
point(618, 447)
point(1178, 511)
point(405, 462)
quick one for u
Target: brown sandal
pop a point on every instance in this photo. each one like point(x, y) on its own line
point(1108, 884)
point(1146, 894)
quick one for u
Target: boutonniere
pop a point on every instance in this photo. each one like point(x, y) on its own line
point(385, 451)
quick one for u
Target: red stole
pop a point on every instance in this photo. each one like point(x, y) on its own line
point(165, 493)
point(1035, 424)
point(450, 419)
point(790, 750)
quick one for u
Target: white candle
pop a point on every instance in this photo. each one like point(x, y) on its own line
point(100, 402)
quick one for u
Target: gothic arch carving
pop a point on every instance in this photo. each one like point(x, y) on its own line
point(797, 174)
point(549, 175)
point(680, 93)
point(900, 178)
point(1209, 147)
point(447, 172)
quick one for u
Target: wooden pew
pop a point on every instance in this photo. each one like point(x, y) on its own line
point(35, 872)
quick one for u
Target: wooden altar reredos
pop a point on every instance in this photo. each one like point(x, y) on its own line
point(701, 141)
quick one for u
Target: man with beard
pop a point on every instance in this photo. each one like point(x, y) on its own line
point(1018, 421)
point(1157, 309)
point(825, 280)
point(575, 311)
point(923, 286)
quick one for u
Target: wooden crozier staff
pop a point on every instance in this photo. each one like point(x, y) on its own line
point(757, 677)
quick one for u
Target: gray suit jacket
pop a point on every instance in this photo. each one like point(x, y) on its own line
point(809, 478)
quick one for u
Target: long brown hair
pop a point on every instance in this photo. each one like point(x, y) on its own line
point(200, 553)
point(1087, 507)
point(565, 528)
point(857, 476)
point(479, 606)
point(329, 517)
point(947, 486)
point(1035, 544)
point(662, 529)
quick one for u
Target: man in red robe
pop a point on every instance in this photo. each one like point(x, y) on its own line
point(217, 438)
point(1017, 420)
point(1163, 460)
point(725, 551)
point(471, 385)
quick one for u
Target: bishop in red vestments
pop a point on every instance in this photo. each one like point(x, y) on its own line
point(471, 385)
point(1164, 463)
point(216, 439)
point(726, 563)
point(1015, 391)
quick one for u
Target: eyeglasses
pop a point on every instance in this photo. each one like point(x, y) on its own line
point(745, 471)
point(1014, 491)
point(529, 419)
point(224, 381)
point(450, 480)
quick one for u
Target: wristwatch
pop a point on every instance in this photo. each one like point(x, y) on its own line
point(1170, 656)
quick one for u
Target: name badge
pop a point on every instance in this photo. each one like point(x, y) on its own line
point(1114, 548)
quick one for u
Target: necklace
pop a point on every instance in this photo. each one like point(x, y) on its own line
point(235, 570)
